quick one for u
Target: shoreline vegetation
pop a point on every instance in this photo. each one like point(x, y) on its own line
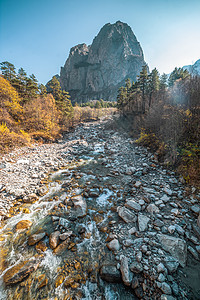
point(165, 113)
point(31, 112)
point(161, 113)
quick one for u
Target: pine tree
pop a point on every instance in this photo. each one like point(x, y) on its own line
point(153, 84)
point(42, 89)
point(8, 70)
point(143, 84)
point(55, 89)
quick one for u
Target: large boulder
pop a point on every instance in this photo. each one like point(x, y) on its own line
point(20, 271)
point(110, 273)
point(127, 215)
point(175, 246)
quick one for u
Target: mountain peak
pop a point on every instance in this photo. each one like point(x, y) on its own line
point(97, 71)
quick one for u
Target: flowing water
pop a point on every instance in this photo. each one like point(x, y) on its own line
point(71, 272)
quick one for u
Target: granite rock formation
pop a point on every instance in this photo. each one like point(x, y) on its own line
point(97, 71)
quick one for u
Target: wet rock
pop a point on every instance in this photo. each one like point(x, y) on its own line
point(42, 191)
point(133, 205)
point(167, 297)
point(31, 198)
point(23, 225)
point(143, 222)
point(110, 273)
point(54, 239)
point(113, 245)
point(61, 248)
point(80, 206)
point(41, 247)
point(127, 215)
point(20, 271)
point(171, 263)
point(54, 218)
point(33, 239)
point(152, 208)
point(175, 246)
point(63, 222)
point(136, 267)
point(65, 235)
point(124, 268)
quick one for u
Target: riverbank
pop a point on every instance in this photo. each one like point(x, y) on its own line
point(106, 212)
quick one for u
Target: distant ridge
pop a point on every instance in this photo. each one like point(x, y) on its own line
point(193, 69)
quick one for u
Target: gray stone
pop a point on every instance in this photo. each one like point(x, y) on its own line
point(198, 220)
point(143, 222)
point(127, 215)
point(135, 282)
point(165, 288)
point(167, 297)
point(171, 263)
point(33, 239)
point(195, 208)
point(175, 211)
point(128, 243)
point(65, 235)
point(80, 206)
point(168, 191)
point(171, 228)
point(161, 277)
point(124, 268)
point(165, 198)
point(64, 223)
point(133, 205)
point(160, 268)
point(152, 208)
point(136, 267)
point(138, 184)
point(113, 245)
point(110, 273)
point(175, 246)
point(175, 288)
point(132, 230)
point(193, 252)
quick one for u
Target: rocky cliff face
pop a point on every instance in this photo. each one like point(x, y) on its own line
point(97, 71)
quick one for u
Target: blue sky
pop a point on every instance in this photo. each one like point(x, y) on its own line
point(37, 35)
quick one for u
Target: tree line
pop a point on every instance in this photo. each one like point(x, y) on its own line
point(166, 112)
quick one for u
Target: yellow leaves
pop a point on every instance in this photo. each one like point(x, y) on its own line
point(9, 98)
point(4, 129)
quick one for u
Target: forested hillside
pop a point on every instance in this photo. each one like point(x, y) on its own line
point(166, 112)
point(29, 112)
